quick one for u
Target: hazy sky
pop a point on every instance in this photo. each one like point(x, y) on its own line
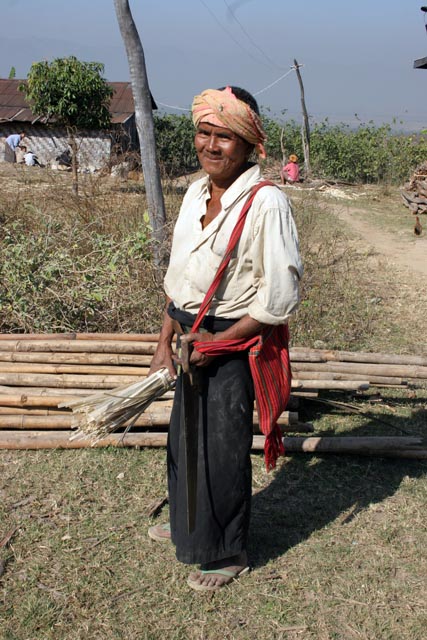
point(358, 56)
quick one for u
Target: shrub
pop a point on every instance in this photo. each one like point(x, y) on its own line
point(174, 139)
point(57, 277)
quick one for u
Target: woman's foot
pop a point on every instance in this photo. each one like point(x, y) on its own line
point(215, 575)
point(160, 532)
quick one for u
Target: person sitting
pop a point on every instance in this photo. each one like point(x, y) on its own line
point(20, 152)
point(31, 160)
point(290, 172)
point(64, 160)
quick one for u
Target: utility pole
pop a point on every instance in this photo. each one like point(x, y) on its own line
point(305, 127)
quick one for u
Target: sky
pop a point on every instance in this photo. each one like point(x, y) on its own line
point(357, 57)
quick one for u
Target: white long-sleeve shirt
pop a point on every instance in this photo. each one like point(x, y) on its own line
point(262, 278)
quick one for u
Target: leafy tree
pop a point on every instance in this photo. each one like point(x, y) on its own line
point(70, 93)
point(12, 73)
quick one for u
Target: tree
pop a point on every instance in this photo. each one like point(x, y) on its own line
point(12, 73)
point(70, 93)
point(145, 127)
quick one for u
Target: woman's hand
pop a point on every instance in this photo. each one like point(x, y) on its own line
point(163, 358)
point(197, 359)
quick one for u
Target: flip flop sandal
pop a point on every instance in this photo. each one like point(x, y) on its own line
point(160, 532)
point(232, 575)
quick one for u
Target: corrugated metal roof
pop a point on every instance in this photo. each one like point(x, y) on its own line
point(420, 64)
point(13, 106)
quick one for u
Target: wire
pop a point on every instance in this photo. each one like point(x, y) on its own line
point(170, 106)
point(233, 15)
point(275, 82)
point(230, 35)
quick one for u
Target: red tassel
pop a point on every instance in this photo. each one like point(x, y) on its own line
point(273, 448)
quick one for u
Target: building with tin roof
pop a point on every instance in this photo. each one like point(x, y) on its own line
point(97, 148)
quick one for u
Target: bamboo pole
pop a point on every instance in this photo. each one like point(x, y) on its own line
point(43, 391)
point(19, 367)
point(327, 375)
point(53, 391)
point(302, 371)
point(89, 381)
point(76, 358)
point(359, 356)
point(33, 411)
point(157, 417)
point(366, 369)
point(79, 346)
point(347, 385)
point(30, 440)
point(361, 445)
point(65, 381)
point(27, 401)
point(139, 337)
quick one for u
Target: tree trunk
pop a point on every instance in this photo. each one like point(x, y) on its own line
point(74, 162)
point(145, 128)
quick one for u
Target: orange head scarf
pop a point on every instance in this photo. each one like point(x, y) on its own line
point(224, 109)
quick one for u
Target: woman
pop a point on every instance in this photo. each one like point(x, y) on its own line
point(257, 293)
point(290, 172)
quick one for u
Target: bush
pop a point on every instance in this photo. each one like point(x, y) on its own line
point(68, 274)
point(174, 139)
point(336, 288)
point(367, 154)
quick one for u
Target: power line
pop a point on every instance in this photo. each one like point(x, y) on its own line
point(170, 106)
point(230, 35)
point(275, 82)
point(251, 40)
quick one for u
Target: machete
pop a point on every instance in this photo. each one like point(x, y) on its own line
point(190, 426)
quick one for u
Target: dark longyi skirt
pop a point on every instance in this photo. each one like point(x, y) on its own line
point(9, 154)
point(224, 479)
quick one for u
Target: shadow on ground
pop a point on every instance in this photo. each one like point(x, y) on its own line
point(307, 493)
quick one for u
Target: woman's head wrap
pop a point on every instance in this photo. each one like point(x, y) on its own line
point(223, 109)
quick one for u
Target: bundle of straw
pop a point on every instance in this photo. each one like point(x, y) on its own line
point(99, 414)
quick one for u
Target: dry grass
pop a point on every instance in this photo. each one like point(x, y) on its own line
point(337, 546)
point(337, 543)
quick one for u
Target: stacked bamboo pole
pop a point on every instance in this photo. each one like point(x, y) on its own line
point(38, 373)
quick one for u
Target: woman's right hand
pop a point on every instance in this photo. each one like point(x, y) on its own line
point(163, 358)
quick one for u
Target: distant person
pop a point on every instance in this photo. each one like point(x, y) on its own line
point(290, 172)
point(11, 144)
point(63, 161)
point(31, 160)
point(20, 152)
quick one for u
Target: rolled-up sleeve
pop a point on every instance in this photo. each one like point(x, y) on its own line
point(276, 261)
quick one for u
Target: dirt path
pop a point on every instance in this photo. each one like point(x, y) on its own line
point(396, 260)
point(405, 252)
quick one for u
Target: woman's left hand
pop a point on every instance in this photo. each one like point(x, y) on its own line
point(197, 359)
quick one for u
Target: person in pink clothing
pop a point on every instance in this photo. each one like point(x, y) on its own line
point(290, 172)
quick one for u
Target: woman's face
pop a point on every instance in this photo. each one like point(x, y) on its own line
point(222, 153)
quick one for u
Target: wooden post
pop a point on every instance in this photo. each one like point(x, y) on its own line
point(305, 127)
